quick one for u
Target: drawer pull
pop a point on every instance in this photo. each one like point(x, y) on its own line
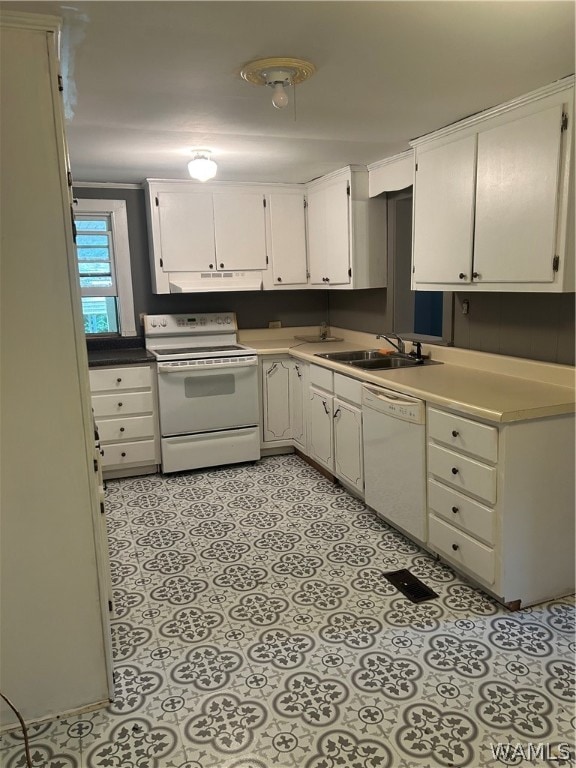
point(325, 407)
point(455, 510)
point(455, 547)
point(455, 433)
point(123, 454)
point(454, 470)
point(118, 381)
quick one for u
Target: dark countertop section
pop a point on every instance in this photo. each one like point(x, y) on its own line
point(117, 351)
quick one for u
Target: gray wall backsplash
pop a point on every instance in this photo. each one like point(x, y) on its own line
point(533, 325)
point(539, 326)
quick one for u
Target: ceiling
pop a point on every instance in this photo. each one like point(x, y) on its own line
point(147, 81)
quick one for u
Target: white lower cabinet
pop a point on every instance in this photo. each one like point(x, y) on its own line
point(335, 425)
point(501, 503)
point(283, 405)
point(124, 405)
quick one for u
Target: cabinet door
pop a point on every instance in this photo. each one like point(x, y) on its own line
point(329, 234)
point(288, 238)
point(517, 198)
point(348, 463)
point(321, 427)
point(186, 222)
point(444, 213)
point(240, 230)
point(276, 399)
point(297, 402)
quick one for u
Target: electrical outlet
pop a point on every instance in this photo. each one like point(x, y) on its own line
point(274, 324)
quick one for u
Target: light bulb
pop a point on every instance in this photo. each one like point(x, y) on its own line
point(280, 97)
point(202, 168)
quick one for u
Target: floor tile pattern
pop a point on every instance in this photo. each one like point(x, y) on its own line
point(253, 629)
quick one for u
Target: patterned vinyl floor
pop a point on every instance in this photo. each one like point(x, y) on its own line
point(253, 629)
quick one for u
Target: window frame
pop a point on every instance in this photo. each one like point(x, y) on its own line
point(116, 211)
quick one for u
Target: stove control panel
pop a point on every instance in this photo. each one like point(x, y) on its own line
point(199, 322)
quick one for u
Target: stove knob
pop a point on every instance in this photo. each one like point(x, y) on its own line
point(164, 322)
point(228, 320)
point(219, 320)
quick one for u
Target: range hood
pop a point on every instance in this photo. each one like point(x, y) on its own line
point(196, 282)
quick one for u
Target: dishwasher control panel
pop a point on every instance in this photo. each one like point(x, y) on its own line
point(394, 404)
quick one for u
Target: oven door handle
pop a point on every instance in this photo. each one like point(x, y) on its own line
point(167, 368)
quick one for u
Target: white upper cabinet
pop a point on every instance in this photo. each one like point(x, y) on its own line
point(346, 232)
point(186, 228)
point(494, 199)
point(443, 227)
point(287, 242)
point(240, 231)
point(517, 198)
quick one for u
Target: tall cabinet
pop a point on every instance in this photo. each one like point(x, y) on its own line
point(55, 637)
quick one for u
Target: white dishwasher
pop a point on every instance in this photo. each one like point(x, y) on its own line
point(395, 458)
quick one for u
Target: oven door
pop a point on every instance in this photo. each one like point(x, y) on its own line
point(207, 396)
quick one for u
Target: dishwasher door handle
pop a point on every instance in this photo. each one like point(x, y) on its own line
point(389, 397)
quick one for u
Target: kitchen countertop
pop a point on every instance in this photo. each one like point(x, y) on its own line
point(123, 356)
point(495, 397)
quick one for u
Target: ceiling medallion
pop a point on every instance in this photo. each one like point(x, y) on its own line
point(278, 73)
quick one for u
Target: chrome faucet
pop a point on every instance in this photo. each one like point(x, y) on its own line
point(398, 344)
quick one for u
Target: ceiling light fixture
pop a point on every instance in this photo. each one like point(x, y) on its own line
point(202, 167)
point(278, 73)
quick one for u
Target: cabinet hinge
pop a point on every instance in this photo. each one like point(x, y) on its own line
point(110, 607)
point(264, 202)
point(350, 272)
point(564, 123)
point(95, 465)
point(555, 263)
point(305, 203)
point(266, 258)
point(69, 177)
point(161, 263)
point(60, 83)
point(157, 201)
point(307, 275)
point(416, 166)
point(348, 189)
point(413, 269)
point(102, 510)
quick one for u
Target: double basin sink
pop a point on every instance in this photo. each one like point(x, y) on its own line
point(374, 360)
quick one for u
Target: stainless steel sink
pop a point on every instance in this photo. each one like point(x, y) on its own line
point(384, 362)
point(353, 356)
point(374, 360)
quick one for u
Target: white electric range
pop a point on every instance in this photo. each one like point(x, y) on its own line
point(207, 390)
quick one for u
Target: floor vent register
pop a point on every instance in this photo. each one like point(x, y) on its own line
point(410, 586)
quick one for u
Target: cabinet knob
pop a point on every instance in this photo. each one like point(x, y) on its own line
point(455, 547)
point(279, 279)
point(119, 405)
point(118, 380)
point(476, 275)
point(210, 266)
point(455, 433)
point(454, 470)
point(121, 429)
point(221, 265)
point(462, 276)
point(455, 510)
point(123, 454)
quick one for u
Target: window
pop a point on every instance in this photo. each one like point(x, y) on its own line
point(103, 258)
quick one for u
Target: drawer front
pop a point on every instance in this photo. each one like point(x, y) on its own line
point(122, 403)
point(321, 377)
point(463, 434)
point(135, 377)
point(464, 474)
point(462, 512)
point(348, 389)
point(131, 428)
point(141, 452)
point(461, 549)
